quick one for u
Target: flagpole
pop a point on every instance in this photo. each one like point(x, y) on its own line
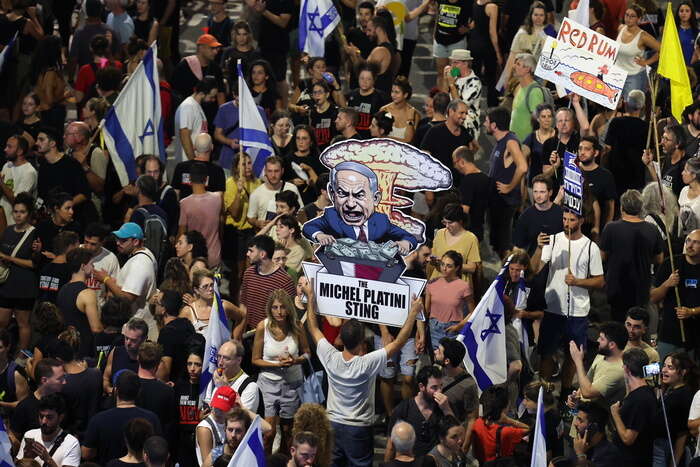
point(240, 146)
point(663, 201)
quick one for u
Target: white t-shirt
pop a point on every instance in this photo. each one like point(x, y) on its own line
point(694, 414)
point(558, 295)
point(689, 213)
point(250, 398)
point(104, 261)
point(67, 454)
point(188, 115)
point(20, 179)
point(350, 384)
point(138, 277)
point(262, 200)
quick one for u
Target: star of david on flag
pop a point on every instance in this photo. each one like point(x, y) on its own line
point(317, 20)
point(484, 336)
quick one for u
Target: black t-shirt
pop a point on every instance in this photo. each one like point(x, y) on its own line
point(84, 392)
point(360, 40)
point(426, 430)
point(689, 291)
point(139, 217)
point(671, 174)
point(553, 144)
point(473, 190)
point(419, 461)
point(221, 30)
point(366, 107)
point(25, 416)
point(172, 339)
point(602, 185)
point(64, 175)
point(625, 139)
point(51, 278)
point(533, 221)
point(450, 17)
point(630, 247)
point(440, 142)
point(183, 80)
point(423, 126)
point(118, 463)
point(216, 180)
point(272, 37)
point(159, 398)
point(637, 411)
point(677, 402)
point(323, 124)
point(47, 231)
point(105, 431)
point(187, 396)
point(167, 200)
point(267, 100)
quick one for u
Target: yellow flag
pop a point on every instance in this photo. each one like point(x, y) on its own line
point(672, 66)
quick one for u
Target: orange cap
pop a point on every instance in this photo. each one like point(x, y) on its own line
point(208, 39)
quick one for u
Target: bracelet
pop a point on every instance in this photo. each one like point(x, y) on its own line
point(104, 281)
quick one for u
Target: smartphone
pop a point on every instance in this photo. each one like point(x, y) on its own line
point(304, 298)
point(328, 77)
point(454, 72)
point(652, 369)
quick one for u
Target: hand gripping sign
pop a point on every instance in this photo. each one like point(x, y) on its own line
point(363, 235)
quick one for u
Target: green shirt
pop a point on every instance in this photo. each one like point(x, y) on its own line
point(521, 115)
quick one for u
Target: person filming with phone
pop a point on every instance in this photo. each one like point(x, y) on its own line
point(591, 443)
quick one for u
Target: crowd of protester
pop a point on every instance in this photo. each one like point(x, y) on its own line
point(107, 291)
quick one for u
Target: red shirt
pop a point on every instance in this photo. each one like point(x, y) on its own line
point(87, 77)
point(484, 440)
point(256, 288)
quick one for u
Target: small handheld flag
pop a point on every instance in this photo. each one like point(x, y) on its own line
point(254, 137)
point(317, 20)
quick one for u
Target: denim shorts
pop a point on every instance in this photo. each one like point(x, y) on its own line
point(444, 51)
point(438, 330)
point(400, 360)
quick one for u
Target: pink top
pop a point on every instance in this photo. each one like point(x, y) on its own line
point(448, 299)
point(201, 212)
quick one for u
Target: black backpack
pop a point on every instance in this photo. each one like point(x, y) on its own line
point(155, 233)
point(261, 404)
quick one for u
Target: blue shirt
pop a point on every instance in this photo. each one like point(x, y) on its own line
point(227, 119)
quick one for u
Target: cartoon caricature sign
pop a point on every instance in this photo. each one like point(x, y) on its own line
point(363, 236)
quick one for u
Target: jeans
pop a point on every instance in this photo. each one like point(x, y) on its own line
point(665, 348)
point(438, 330)
point(354, 445)
point(638, 81)
point(661, 456)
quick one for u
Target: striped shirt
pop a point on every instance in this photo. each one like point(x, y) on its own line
point(256, 288)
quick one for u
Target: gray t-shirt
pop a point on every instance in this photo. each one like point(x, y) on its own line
point(350, 384)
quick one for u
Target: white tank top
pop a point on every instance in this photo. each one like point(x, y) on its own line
point(273, 349)
point(220, 431)
point(627, 53)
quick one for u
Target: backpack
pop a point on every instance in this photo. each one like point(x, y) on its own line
point(261, 404)
point(155, 233)
point(548, 99)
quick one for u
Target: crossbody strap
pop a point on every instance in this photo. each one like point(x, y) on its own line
point(21, 241)
point(455, 382)
point(58, 442)
point(498, 441)
point(214, 431)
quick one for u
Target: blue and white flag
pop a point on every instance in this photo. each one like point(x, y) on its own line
point(5, 448)
point(217, 333)
point(520, 303)
point(254, 137)
point(250, 453)
point(6, 51)
point(539, 445)
point(317, 20)
point(484, 336)
point(133, 125)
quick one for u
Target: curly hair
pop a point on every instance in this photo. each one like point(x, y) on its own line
point(175, 277)
point(313, 418)
point(47, 320)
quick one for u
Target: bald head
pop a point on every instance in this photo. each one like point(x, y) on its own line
point(82, 128)
point(203, 147)
point(403, 437)
point(692, 245)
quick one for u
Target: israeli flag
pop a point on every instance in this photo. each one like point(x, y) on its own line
point(484, 336)
point(539, 444)
point(218, 332)
point(317, 20)
point(254, 137)
point(521, 295)
point(250, 453)
point(133, 125)
point(6, 51)
point(5, 448)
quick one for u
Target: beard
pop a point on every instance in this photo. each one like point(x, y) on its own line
point(604, 351)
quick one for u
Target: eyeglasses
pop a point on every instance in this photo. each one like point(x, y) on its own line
point(207, 286)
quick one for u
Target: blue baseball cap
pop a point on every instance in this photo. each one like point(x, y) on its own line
point(129, 230)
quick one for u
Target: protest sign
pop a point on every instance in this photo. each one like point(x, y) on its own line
point(601, 47)
point(581, 72)
point(364, 235)
point(573, 184)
